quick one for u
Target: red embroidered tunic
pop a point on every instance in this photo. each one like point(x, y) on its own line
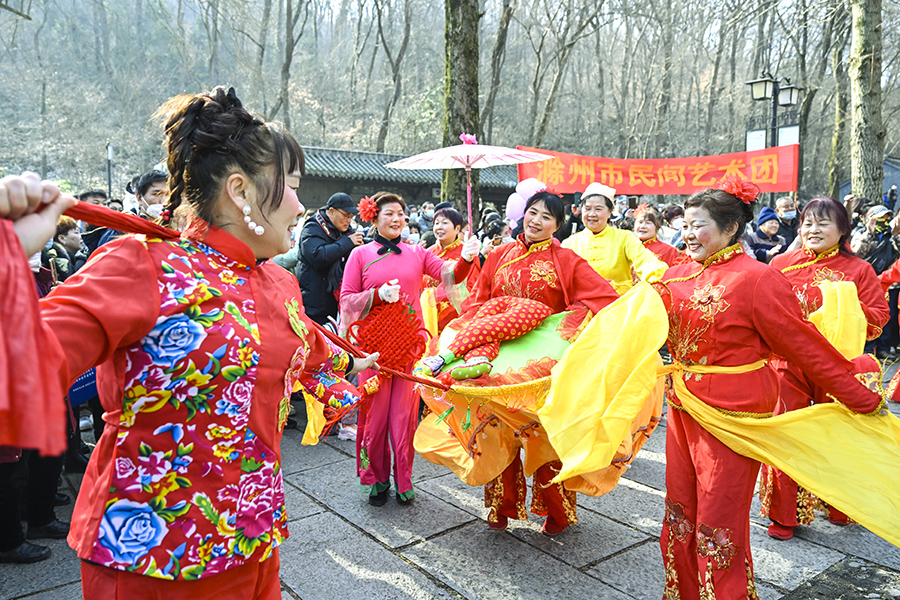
point(663, 251)
point(543, 271)
point(805, 271)
point(199, 349)
point(738, 311)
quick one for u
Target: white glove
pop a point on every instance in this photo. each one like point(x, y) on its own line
point(470, 249)
point(390, 291)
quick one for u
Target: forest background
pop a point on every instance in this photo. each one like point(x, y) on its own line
point(612, 78)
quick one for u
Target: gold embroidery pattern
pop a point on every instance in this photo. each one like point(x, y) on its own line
point(707, 589)
point(827, 254)
point(542, 270)
point(538, 507)
point(535, 247)
point(716, 545)
point(751, 585)
point(824, 274)
point(708, 300)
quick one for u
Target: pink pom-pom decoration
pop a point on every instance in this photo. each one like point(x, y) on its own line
point(468, 138)
point(529, 187)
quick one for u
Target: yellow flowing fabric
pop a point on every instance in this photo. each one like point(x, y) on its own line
point(603, 382)
point(849, 460)
point(315, 415)
point(429, 311)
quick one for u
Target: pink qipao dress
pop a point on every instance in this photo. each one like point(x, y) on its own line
point(199, 348)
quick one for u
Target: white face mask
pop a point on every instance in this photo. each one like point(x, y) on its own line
point(506, 240)
point(404, 235)
point(154, 211)
point(677, 223)
point(414, 238)
point(34, 262)
point(429, 214)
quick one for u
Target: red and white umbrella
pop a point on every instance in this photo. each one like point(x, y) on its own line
point(468, 155)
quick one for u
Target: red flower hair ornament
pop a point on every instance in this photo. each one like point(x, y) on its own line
point(640, 208)
point(739, 187)
point(368, 210)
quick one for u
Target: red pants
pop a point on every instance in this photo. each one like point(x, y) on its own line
point(254, 581)
point(505, 495)
point(498, 319)
point(706, 532)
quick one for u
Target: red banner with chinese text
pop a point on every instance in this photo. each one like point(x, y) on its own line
point(772, 169)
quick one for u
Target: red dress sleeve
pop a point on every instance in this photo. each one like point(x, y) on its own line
point(779, 321)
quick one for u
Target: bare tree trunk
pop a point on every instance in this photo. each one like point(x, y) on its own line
point(460, 93)
point(291, 18)
point(661, 116)
point(261, 53)
point(867, 132)
point(101, 35)
point(836, 158)
point(498, 56)
point(395, 63)
point(713, 97)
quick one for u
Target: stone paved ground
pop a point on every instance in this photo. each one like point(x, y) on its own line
point(440, 546)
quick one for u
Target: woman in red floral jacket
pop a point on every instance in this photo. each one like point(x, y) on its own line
point(200, 342)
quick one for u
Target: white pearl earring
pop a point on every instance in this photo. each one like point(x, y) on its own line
point(257, 229)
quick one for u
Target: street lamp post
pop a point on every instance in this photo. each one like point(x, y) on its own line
point(782, 93)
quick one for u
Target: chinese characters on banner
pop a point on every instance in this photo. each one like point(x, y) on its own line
point(772, 169)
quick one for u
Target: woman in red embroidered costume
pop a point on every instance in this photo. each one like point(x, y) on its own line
point(647, 223)
point(522, 283)
point(200, 342)
point(728, 313)
point(825, 256)
point(447, 229)
point(386, 270)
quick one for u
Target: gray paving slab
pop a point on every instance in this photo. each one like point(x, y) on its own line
point(450, 489)
point(593, 538)
point(71, 591)
point(63, 567)
point(649, 468)
point(657, 440)
point(299, 505)
point(393, 524)
point(637, 572)
point(851, 579)
point(331, 559)
point(851, 539)
point(482, 564)
point(296, 457)
point(787, 564)
point(632, 504)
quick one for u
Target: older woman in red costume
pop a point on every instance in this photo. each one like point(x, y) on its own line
point(825, 256)
point(728, 313)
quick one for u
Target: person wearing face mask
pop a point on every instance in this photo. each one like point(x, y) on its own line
point(824, 256)
point(415, 234)
point(151, 193)
point(788, 223)
point(426, 219)
point(612, 252)
point(387, 271)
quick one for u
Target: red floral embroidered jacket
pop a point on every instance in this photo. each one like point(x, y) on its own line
point(199, 349)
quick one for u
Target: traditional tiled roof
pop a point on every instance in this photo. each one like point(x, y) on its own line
point(331, 163)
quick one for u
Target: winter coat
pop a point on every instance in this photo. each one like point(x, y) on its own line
point(323, 253)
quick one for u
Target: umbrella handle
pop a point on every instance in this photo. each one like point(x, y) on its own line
point(469, 199)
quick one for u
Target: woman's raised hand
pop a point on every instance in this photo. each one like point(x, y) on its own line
point(470, 248)
point(34, 206)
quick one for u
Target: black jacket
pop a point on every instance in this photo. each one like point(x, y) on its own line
point(323, 252)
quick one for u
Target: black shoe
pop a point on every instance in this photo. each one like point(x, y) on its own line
point(61, 499)
point(75, 462)
point(54, 530)
point(290, 423)
point(405, 502)
point(25, 553)
point(379, 499)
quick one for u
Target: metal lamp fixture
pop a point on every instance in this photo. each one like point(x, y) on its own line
point(788, 93)
point(763, 88)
